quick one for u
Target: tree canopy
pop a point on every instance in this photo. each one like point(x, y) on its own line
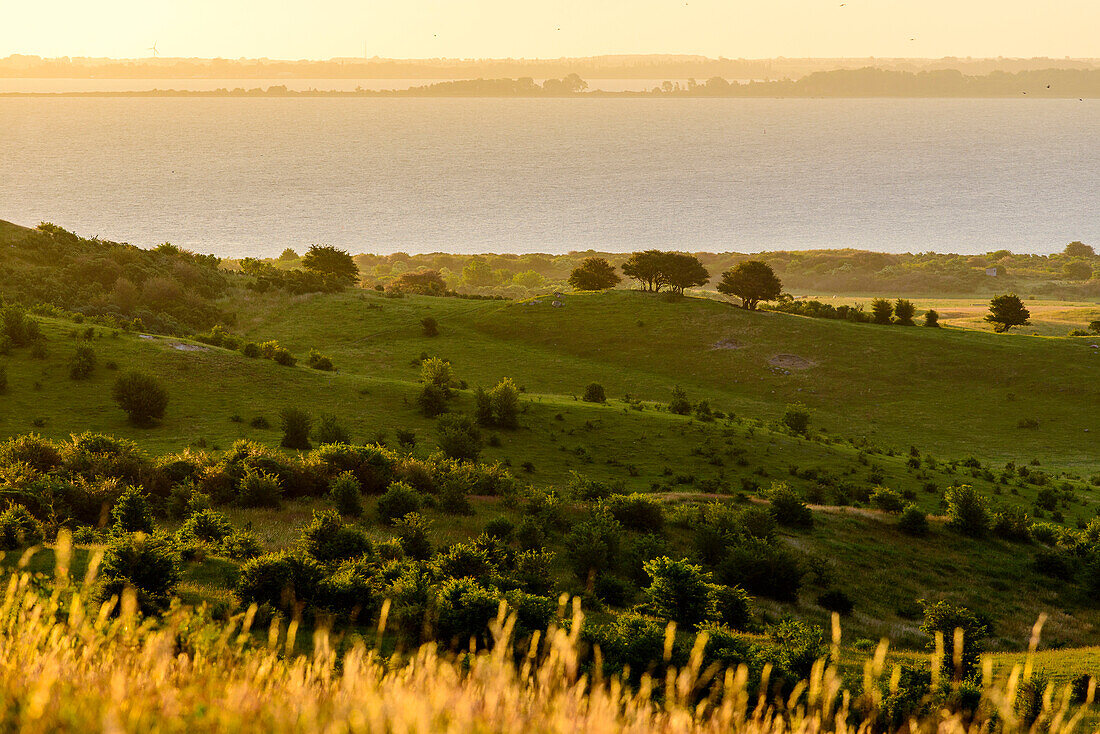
point(683, 271)
point(594, 274)
point(1006, 311)
point(331, 261)
point(646, 268)
point(752, 281)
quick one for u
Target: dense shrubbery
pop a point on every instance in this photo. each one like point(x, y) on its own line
point(167, 289)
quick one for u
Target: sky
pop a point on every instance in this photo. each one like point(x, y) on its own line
point(296, 29)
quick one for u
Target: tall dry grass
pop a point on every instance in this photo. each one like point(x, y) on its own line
point(65, 666)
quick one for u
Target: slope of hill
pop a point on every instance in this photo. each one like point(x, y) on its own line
point(949, 391)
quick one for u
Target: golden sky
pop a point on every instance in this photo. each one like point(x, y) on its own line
point(550, 28)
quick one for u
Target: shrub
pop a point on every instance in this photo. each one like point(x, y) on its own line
point(967, 511)
point(679, 591)
point(946, 618)
point(328, 539)
point(259, 489)
point(837, 601)
point(279, 579)
point(19, 528)
point(296, 425)
point(1054, 563)
point(145, 563)
point(679, 403)
point(465, 610)
point(1012, 524)
point(500, 528)
point(931, 319)
point(762, 568)
point(431, 400)
point(637, 512)
point(732, 606)
point(757, 522)
point(788, 508)
point(283, 357)
point(881, 311)
point(329, 430)
point(319, 361)
point(797, 419)
point(436, 371)
point(412, 533)
point(630, 640)
point(251, 350)
point(399, 500)
point(141, 397)
point(904, 310)
point(82, 364)
point(206, 526)
point(594, 393)
point(131, 512)
point(795, 647)
point(593, 544)
point(429, 326)
point(459, 437)
point(887, 500)
point(504, 404)
point(913, 521)
point(344, 491)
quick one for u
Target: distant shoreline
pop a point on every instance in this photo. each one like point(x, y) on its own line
point(842, 84)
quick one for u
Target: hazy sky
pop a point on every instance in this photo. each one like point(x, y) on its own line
point(550, 28)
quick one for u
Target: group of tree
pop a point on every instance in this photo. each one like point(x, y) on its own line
point(654, 270)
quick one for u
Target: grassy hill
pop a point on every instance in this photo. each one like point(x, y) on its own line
point(914, 410)
point(949, 391)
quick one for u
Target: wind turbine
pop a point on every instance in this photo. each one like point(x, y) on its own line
point(153, 48)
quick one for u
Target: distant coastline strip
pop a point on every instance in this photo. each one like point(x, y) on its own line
point(855, 83)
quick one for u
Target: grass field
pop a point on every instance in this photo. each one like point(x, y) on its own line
point(912, 409)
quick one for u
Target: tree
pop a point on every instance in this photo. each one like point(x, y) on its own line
point(967, 511)
point(945, 618)
point(680, 405)
point(1077, 270)
point(422, 282)
point(683, 271)
point(594, 274)
point(1079, 249)
point(331, 261)
point(476, 272)
point(752, 281)
point(904, 311)
point(436, 371)
point(141, 397)
point(296, 425)
point(1006, 311)
point(646, 268)
point(504, 404)
point(881, 311)
point(932, 319)
point(679, 591)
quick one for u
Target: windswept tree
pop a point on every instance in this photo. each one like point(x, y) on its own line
point(594, 274)
point(646, 268)
point(332, 262)
point(1079, 249)
point(1006, 311)
point(752, 281)
point(683, 271)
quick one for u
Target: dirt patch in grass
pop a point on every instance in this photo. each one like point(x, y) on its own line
point(729, 343)
point(791, 362)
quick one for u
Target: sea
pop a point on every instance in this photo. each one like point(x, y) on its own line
point(251, 176)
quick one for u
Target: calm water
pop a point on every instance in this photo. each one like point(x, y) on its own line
point(252, 176)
